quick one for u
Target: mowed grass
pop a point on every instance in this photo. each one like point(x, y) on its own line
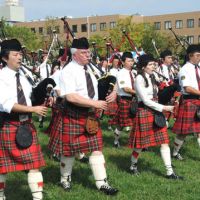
point(150, 185)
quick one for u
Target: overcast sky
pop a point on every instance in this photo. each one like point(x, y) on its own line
point(40, 9)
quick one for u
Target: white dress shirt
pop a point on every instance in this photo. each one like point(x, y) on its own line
point(8, 88)
point(145, 94)
point(114, 72)
point(187, 77)
point(56, 77)
point(124, 80)
point(73, 80)
point(43, 70)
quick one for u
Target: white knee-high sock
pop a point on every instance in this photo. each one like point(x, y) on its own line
point(166, 156)
point(177, 146)
point(97, 164)
point(117, 134)
point(198, 141)
point(66, 164)
point(35, 182)
point(135, 155)
point(2, 186)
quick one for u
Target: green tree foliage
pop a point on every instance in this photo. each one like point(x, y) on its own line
point(141, 34)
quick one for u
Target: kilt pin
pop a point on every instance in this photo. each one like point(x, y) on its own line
point(70, 136)
point(186, 122)
point(122, 117)
point(145, 133)
point(14, 159)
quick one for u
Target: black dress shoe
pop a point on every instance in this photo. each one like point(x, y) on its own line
point(108, 190)
point(178, 157)
point(133, 170)
point(84, 159)
point(173, 176)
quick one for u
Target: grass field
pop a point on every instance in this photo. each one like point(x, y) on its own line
point(150, 185)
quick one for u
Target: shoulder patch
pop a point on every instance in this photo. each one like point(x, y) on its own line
point(182, 77)
point(122, 82)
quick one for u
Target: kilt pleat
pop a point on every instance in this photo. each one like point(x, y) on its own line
point(145, 133)
point(122, 116)
point(72, 137)
point(186, 122)
point(14, 159)
point(112, 109)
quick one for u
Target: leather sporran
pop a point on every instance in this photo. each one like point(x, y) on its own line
point(24, 137)
point(197, 114)
point(133, 108)
point(92, 125)
point(159, 120)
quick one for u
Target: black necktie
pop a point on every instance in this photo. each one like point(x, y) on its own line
point(132, 80)
point(90, 86)
point(20, 93)
point(155, 93)
point(197, 75)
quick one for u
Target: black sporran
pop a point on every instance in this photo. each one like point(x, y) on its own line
point(24, 137)
point(197, 114)
point(133, 108)
point(159, 119)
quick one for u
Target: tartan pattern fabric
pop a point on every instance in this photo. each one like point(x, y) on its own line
point(112, 109)
point(186, 122)
point(14, 159)
point(122, 117)
point(144, 133)
point(72, 137)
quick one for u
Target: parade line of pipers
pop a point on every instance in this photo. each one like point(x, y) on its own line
point(141, 94)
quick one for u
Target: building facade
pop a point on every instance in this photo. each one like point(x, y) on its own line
point(186, 25)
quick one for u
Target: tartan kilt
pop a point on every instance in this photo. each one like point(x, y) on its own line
point(14, 159)
point(122, 116)
point(185, 122)
point(112, 109)
point(72, 137)
point(145, 133)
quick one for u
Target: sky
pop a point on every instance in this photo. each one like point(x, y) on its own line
point(40, 9)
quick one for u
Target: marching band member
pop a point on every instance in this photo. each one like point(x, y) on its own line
point(15, 108)
point(144, 133)
point(187, 121)
point(79, 86)
point(125, 81)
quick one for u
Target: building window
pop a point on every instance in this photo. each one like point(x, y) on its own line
point(41, 30)
point(190, 23)
point(168, 24)
point(112, 25)
point(33, 30)
point(57, 28)
point(103, 26)
point(190, 39)
point(157, 25)
point(83, 27)
point(199, 39)
point(74, 29)
point(93, 27)
point(179, 24)
point(49, 31)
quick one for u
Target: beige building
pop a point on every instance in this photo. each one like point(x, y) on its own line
point(186, 25)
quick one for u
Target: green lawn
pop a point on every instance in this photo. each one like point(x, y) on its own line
point(150, 185)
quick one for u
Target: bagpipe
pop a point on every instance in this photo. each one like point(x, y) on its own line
point(41, 90)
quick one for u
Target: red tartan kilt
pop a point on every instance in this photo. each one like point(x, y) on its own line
point(186, 122)
point(73, 138)
point(14, 159)
point(112, 109)
point(54, 116)
point(144, 133)
point(122, 117)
